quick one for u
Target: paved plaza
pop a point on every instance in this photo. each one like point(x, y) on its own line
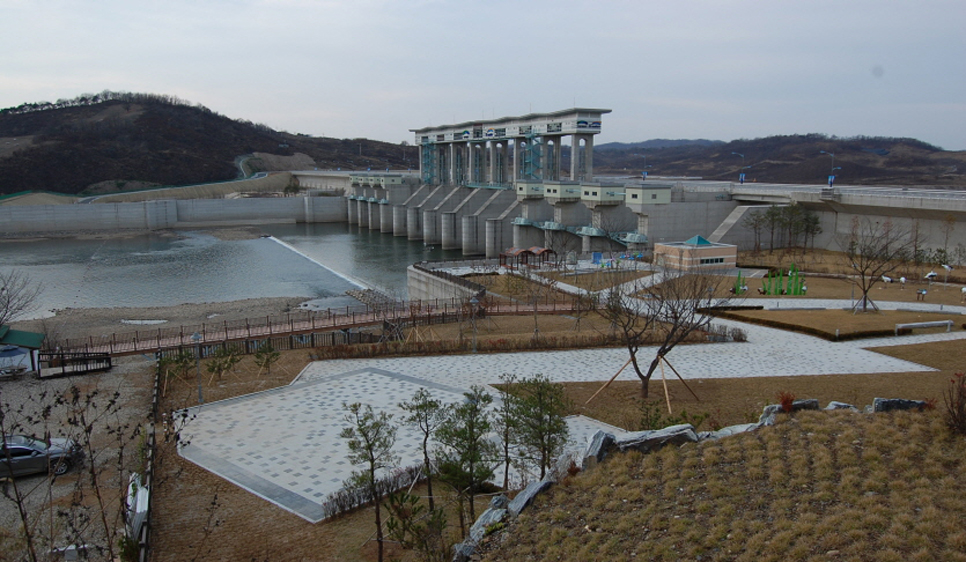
point(283, 444)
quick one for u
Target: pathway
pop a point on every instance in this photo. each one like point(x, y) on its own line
point(284, 444)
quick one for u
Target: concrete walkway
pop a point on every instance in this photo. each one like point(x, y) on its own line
point(283, 444)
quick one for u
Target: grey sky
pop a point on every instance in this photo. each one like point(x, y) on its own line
point(377, 68)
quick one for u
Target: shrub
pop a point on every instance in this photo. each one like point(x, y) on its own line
point(955, 399)
point(738, 334)
point(786, 399)
point(653, 417)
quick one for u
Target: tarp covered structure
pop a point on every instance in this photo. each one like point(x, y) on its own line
point(16, 346)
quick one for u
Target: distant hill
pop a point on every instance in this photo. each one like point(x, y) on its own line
point(125, 141)
point(120, 141)
point(656, 143)
point(791, 159)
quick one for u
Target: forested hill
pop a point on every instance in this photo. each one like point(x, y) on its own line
point(793, 159)
point(121, 141)
point(113, 141)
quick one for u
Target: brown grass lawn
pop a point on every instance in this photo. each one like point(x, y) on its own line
point(825, 261)
point(597, 280)
point(817, 487)
point(841, 288)
point(846, 322)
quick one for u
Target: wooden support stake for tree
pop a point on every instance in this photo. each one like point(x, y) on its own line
point(606, 384)
point(682, 380)
point(667, 395)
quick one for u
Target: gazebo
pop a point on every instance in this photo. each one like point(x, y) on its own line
point(513, 258)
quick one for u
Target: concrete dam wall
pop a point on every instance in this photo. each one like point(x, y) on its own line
point(157, 215)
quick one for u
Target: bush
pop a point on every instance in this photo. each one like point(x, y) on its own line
point(786, 399)
point(955, 399)
point(653, 416)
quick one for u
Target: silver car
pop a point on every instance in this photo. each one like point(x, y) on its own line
point(22, 455)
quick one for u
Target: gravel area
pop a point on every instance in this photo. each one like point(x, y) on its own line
point(23, 399)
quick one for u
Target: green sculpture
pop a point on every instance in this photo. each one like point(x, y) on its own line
point(776, 284)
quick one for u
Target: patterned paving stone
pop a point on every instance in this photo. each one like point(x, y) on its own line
point(283, 444)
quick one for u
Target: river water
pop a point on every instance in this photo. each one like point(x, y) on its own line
point(318, 261)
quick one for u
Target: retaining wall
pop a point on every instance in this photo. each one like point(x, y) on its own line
point(156, 215)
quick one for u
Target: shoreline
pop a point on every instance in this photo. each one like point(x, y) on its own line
point(79, 323)
point(219, 232)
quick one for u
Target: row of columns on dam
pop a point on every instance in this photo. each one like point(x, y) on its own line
point(502, 161)
point(475, 234)
point(488, 221)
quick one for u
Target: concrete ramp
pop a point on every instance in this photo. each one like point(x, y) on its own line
point(736, 215)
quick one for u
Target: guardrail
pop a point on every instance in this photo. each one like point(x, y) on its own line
point(313, 328)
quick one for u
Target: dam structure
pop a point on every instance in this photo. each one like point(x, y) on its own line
point(490, 185)
point(486, 186)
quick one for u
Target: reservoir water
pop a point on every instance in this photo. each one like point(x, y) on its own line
point(318, 261)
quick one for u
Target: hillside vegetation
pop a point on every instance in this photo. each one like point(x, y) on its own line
point(140, 140)
point(817, 486)
point(100, 143)
point(795, 159)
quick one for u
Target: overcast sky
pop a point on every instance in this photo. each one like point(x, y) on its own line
point(377, 68)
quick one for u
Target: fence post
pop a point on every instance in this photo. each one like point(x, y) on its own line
point(226, 329)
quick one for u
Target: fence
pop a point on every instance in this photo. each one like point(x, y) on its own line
point(61, 364)
point(318, 327)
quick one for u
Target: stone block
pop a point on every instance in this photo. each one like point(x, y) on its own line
point(487, 518)
point(894, 404)
point(733, 430)
point(833, 405)
point(596, 449)
point(646, 441)
point(526, 495)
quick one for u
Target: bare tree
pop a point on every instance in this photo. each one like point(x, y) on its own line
point(535, 289)
point(873, 250)
point(917, 242)
point(665, 309)
point(755, 222)
point(561, 242)
point(88, 509)
point(948, 226)
point(18, 295)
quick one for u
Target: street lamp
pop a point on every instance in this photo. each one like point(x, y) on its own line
point(831, 172)
point(474, 302)
point(741, 176)
point(196, 337)
point(832, 154)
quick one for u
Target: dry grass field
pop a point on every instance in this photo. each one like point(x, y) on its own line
point(817, 486)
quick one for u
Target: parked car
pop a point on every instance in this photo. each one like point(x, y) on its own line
point(21, 455)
